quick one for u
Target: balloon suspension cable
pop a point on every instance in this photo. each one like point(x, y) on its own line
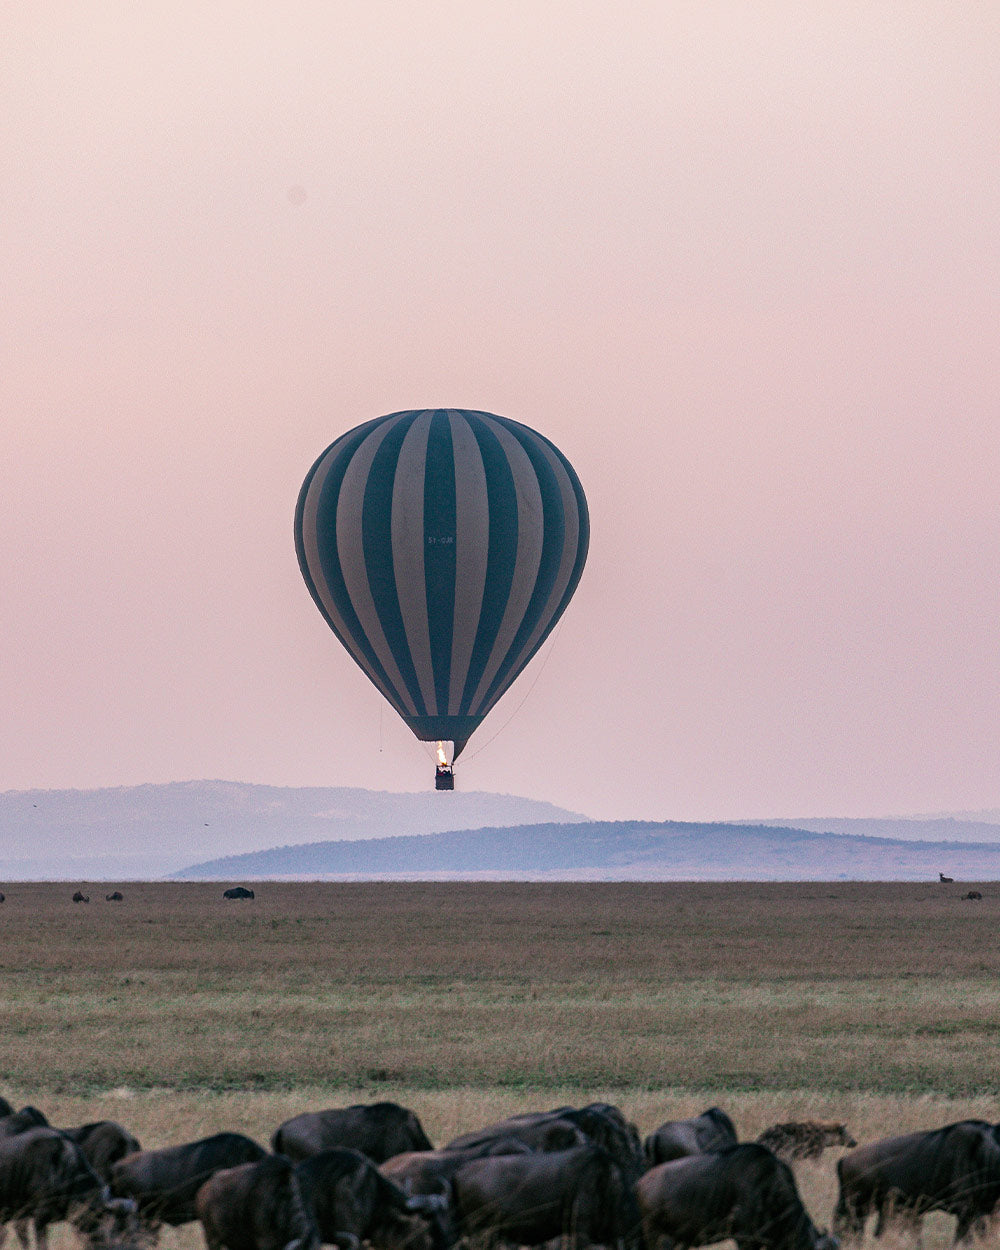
point(541, 668)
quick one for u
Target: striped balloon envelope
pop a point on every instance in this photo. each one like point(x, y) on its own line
point(442, 546)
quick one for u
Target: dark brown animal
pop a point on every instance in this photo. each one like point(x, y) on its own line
point(80, 897)
point(103, 1143)
point(116, 896)
point(562, 1128)
point(5, 1108)
point(430, 1171)
point(946, 880)
point(540, 1134)
point(743, 1192)
point(955, 1169)
point(237, 891)
point(579, 1195)
point(20, 1121)
point(45, 1178)
point(677, 1139)
point(163, 1183)
point(972, 894)
point(804, 1139)
point(351, 1202)
point(379, 1130)
point(256, 1206)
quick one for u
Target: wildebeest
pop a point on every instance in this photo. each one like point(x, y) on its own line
point(20, 1121)
point(955, 1169)
point(946, 880)
point(237, 891)
point(351, 1201)
point(972, 894)
point(116, 896)
point(164, 1182)
point(677, 1139)
point(579, 1195)
point(539, 1132)
point(256, 1206)
point(103, 1143)
point(5, 1108)
point(743, 1192)
point(80, 897)
point(599, 1123)
point(44, 1177)
point(3, 897)
point(804, 1139)
point(379, 1130)
point(430, 1171)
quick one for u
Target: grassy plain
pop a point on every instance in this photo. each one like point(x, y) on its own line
point(180, 1014)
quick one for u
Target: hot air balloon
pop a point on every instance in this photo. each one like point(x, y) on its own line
point(442, 545)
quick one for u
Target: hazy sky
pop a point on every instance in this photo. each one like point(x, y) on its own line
point(738, 260)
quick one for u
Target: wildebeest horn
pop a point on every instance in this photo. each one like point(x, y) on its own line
point(427, 1203)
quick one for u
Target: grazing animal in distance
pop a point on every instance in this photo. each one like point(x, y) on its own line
point(744, 1192)
point(164, 1182)
point(352, 1202)
point(972, 894)
point(379, 1130)
point(256, 1206)
point(80, 897)
point(945, 880)
point(805, 1139)
point(955, 1169)
point(3, 898)
point(701, 1134)
point(237, 891)
point(116, 896)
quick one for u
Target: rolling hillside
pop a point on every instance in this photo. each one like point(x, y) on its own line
point(618, 850)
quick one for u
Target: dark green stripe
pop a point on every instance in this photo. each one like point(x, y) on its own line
point(502, 551)
point(376, 539)
point(326, 543)
point(553, 541)
point(439, 550)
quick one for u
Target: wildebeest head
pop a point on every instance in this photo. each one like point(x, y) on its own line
point(106, 1223)
point(837, 1135)
point(405, 1232)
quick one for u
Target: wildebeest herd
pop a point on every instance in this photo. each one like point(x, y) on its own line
point(368, 1174)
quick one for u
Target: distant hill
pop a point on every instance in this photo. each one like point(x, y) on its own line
point(131, 832)
point(945, 827)
point(617, 851)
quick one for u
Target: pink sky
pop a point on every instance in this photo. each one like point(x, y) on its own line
point(740, 262)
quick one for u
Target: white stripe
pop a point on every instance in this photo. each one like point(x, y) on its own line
point(529, 552)
point(350, 546)
point(570, 551)
point(472, 541)
point(315, 566)
point(408, 553)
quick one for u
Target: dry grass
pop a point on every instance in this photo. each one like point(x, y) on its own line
point(180, 1014)
point(886, 989)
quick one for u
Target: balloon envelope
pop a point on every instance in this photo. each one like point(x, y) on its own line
point(442, 546)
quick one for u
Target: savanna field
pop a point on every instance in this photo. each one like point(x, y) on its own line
point(180, 1014)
